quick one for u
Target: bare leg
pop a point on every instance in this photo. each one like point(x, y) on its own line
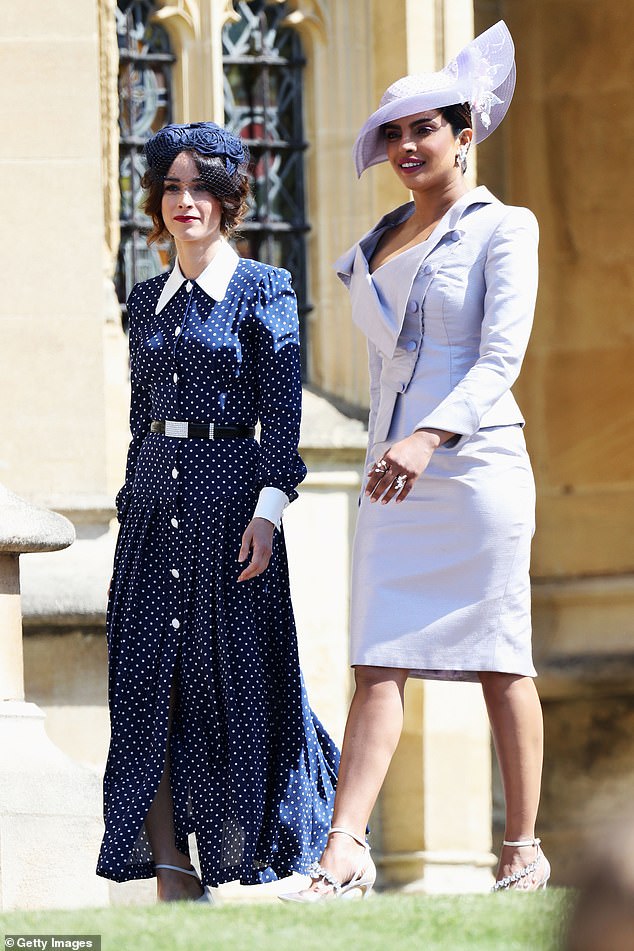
point(372, 733)
point(159, 824)
point(515, 714)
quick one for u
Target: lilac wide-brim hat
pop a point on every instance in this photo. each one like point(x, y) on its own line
point(482, 74)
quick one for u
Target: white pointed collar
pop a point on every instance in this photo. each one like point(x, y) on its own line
point(214, 280)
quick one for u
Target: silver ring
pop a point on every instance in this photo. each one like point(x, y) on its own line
point(381, 466)
point(399, 482)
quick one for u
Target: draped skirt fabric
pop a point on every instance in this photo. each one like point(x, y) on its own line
point(441, 581)
point(252, 770)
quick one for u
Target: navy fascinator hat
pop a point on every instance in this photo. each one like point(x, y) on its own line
point(205, 138)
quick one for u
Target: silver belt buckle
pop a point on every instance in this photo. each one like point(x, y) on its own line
point(177, 428)
point(212, 427)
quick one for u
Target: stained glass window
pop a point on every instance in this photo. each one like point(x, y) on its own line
point(145, 104)
point(263, 64)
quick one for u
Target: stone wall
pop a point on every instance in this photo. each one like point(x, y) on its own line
point(563, 151)
point(51, 247)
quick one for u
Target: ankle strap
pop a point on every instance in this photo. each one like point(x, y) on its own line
point(522, 842)
point(177, 868)
point(351, 834)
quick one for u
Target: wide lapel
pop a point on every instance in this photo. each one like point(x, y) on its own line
point(368, 311)
point(393, 283)
point(380, 299)
point(396, 280)
point(372, 314)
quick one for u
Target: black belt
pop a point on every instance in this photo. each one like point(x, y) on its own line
point(180, 429)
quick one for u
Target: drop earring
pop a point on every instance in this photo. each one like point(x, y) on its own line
point(461, 158)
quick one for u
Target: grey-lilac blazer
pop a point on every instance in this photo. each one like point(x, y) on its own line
point(473, 283)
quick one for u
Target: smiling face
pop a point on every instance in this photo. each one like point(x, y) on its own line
point(422, 149)
point(190, 211)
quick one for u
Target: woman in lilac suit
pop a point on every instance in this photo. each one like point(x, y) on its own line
point(444, 289)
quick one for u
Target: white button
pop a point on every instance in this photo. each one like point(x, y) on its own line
point(427, 269)
point(455, 236)
point(176, 624)
point(188, 286)
point(410, 345)
point(177, 331)
point(174, 473)
point(175, 573)
point(175, 378)
point(413, 306)
point(174, 522)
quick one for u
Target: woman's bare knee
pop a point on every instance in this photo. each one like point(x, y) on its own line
point(376, 677)
point(496, 683)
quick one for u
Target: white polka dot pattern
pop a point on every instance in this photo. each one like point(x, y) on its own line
point(252, 769)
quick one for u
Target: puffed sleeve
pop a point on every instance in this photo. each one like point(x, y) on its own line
point(279, 384)
point(510, 274)
point(140, 415)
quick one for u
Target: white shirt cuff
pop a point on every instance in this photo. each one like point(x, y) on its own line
point(271, 504)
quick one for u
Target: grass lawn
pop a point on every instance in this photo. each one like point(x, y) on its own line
point(508, 922)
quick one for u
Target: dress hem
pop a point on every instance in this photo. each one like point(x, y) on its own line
point(460, 675)
point(259, 877)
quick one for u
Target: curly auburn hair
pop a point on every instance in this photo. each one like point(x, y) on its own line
point(234, 205)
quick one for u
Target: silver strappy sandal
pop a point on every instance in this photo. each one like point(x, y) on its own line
point(511, 881)
point(359, 885)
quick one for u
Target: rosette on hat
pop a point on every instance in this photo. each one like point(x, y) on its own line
point(482, 74)
point(206, 138)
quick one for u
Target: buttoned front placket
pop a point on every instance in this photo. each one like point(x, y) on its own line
point(175, 560)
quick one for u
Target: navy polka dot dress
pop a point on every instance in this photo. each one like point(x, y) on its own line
point(252, 770)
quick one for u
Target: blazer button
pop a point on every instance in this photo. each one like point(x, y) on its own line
point(410, 345)
point(427, 269)
point(455, 236)
point(413, 306)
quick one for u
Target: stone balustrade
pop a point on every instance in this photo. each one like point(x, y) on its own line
point(23, 528)
point(50, 806)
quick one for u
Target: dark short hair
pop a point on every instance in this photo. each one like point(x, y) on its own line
point(458, 116)
point(234, 205)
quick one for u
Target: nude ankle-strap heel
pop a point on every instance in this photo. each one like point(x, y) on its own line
point(511, 881)
point(206, 898)
point(358, 885)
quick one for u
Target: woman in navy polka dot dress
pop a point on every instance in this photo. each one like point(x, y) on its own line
point(212, 733)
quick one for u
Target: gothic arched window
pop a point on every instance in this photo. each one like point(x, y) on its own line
point(145, 104)
point(263, 63)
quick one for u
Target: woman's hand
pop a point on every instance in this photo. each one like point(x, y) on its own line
point(258, 540)
point(402, 464)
